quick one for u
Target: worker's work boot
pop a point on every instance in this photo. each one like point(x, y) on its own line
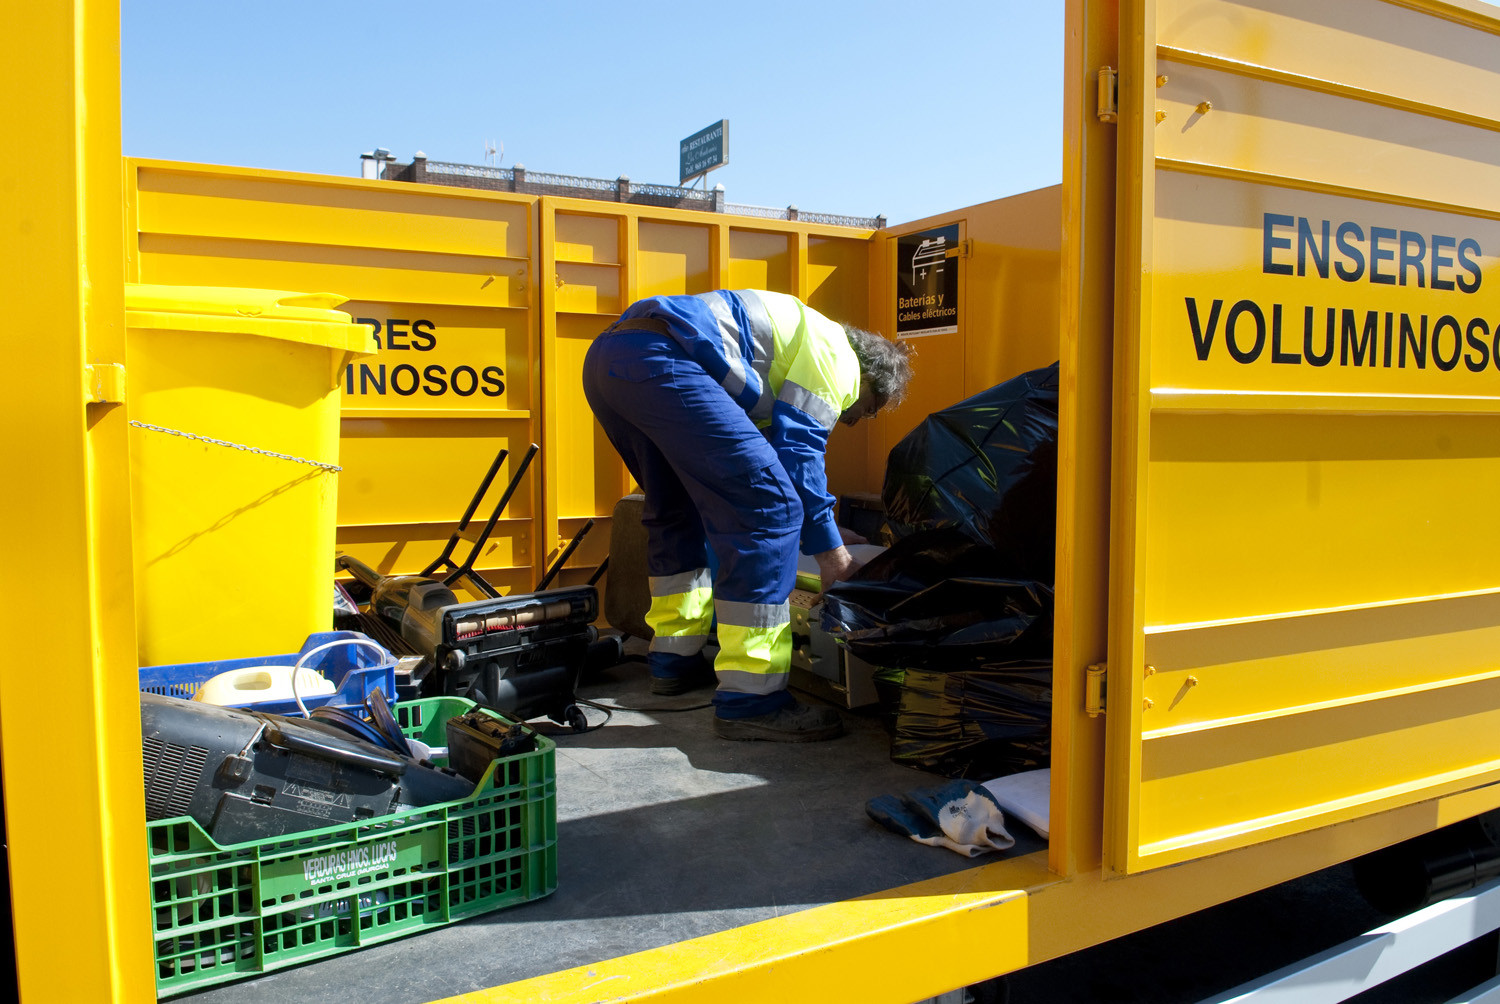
point(795, 723)
point(693, 674)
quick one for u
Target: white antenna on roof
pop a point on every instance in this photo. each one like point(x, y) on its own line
point(491, 150)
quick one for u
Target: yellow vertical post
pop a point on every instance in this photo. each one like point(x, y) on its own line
point(69, 708)
point(1084, 435)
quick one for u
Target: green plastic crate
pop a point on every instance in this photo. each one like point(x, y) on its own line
point(227, 912)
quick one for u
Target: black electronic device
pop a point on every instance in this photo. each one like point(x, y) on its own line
point(520, 655)
point(247, 775)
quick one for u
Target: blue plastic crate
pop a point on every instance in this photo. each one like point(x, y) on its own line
point(356, 670)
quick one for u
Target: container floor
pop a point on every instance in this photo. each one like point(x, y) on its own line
point(665, 832)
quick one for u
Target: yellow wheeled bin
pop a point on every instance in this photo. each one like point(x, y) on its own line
point(234, 410)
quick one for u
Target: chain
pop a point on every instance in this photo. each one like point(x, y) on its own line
point(236, 446)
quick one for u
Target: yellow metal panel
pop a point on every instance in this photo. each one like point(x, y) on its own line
point(1304, 625)
point(1363, 44)
point(79, 901)
point(356, 273)
point(442, 276)
point(759, 260)
point(1324, 138)
point(244, 204)
point(374, 450)
point(673, 259)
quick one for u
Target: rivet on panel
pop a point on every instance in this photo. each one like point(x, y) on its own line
point(1147, 704)
point(1204, 107)
point(1192, 681)
point(1160, 115)
point(1150, 670)
point(1161, 81)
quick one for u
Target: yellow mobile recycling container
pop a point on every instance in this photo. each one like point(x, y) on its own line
point(234, 411)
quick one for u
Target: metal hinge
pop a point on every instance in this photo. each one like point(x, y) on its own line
point(1094, 688)
point(1109, 104)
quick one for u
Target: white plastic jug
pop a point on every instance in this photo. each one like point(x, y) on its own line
point(262, 683)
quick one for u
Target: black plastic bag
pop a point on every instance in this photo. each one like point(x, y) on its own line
point(975, 650)
point(987, 465)
point(977, 724)
point(932, 601)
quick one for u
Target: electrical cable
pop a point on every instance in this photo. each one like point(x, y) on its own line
point(302, 660)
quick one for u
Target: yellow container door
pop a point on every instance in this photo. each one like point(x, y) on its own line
point(1305, 612)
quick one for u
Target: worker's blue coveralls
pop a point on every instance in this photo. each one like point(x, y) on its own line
point(721, 405)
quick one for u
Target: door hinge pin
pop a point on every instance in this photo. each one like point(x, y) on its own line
point(1094, 689)
point(1109, 107)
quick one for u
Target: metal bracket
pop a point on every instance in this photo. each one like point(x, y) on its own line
point(1094, 686)
point(104, 383)
point(1109, 103)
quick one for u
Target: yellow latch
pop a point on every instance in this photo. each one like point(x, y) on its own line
point(1109, 109)
point(1093, 689)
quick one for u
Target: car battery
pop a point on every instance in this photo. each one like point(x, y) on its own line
point(476, 739)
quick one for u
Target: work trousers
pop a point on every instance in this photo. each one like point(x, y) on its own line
point(711, 481)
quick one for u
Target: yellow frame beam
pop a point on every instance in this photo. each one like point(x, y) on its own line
point(69, 725)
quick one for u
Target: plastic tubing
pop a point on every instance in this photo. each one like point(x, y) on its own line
point(302, 660)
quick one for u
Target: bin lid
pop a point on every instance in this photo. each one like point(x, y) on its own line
point(275, 313)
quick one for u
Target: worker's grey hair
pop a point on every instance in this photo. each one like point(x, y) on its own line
point(884, 363)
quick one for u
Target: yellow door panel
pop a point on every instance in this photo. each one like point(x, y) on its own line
point(1306, 600)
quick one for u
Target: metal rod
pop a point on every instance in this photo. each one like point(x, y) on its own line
point(466, 570)
point(567, 553)
point(599, 572)
point(463, 524)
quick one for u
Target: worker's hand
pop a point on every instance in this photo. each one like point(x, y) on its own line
point(836, 566)
point(850, 537)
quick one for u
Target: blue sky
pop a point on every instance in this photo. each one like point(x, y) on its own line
point(906, 109)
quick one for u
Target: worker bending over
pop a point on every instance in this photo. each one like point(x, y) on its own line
point(721, 405)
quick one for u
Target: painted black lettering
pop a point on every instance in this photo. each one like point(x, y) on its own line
point(1379, 254)
point(398, 373)
point(368, 376)
point(1458, 343)
point(1390, 336)
point(375, 325)
point(1270, 243)
point(395, 336)
point(1306, 242)
point(423, 338)
point(1326, 356)
point(473, 381)
point(349, 379)
point(1409, 337)
point(436, 385)
point(1441, 261)
point(1477, 365)
point(1253, 309)
point(1469, 265)
point(1202, 341)
point(1413, 258)
point(1278, 356)
point(1351, 251)
point(494, 386)
point(1362, 342)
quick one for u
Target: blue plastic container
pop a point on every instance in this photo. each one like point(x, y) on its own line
point(356, 670)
